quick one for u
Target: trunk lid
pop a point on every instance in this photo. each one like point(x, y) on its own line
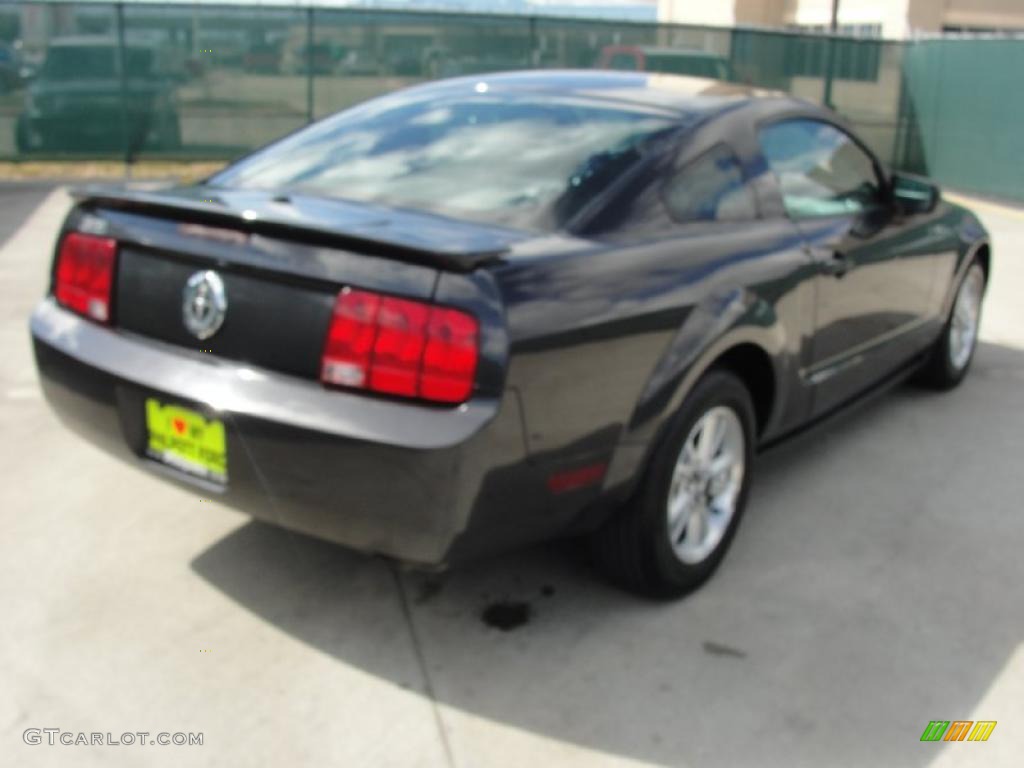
point(400, 234)
point(282, 263)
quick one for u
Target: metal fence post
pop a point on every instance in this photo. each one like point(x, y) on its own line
point(309, 64)
point(901, 139)
point(830, 65)
point(830, 70)
point(534, 53)
point(122, 62)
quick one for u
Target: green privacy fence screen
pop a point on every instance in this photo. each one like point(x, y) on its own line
point(964, 107)
point(145, 81)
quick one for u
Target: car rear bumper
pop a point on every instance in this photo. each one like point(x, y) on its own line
point(403, 480)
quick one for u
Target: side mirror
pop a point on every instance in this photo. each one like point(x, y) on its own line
point(912, 194)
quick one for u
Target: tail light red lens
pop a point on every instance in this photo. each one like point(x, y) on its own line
point(401, 347)
point(450, 356)
point(398, 348)
point(85, 274)
point(349, 345)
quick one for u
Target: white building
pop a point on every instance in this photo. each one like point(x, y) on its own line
point(892, 19)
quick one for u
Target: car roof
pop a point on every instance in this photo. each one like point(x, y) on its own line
point(680, 94)
point(95, 41)
point(664, 50)
point(82, 40)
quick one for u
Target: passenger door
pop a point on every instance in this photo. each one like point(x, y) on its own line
point(872, 284)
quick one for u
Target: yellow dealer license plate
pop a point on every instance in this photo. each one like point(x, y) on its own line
point(186, 440)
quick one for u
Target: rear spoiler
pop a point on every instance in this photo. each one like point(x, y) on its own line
point(455, 246)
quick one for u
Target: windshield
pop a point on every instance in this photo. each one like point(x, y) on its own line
point(526, 162)
point(93, 62)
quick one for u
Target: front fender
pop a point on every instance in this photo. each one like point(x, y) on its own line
point(972, 239)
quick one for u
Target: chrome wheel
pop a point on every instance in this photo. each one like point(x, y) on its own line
point(963, 331)
point(706, 484)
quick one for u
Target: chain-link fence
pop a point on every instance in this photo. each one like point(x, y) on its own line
point(142, 81)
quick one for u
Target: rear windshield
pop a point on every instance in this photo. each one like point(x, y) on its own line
point(524, 162)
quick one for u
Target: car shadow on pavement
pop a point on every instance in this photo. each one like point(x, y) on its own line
point(866, 594)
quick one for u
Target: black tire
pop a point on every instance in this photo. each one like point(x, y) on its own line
point(940, 372)
point(634, 548)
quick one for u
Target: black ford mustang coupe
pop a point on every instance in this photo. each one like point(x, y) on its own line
point(486, 311)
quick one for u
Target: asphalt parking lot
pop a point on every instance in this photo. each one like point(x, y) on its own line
point(876, 584)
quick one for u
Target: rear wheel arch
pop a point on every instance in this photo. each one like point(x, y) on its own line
point(740, 354)
point(983, 255)
point(752, 365)
point(979, 251)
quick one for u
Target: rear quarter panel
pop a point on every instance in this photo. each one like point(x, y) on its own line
point(606, 338)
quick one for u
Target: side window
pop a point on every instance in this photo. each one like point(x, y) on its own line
point(821, 170)
point(710, 188)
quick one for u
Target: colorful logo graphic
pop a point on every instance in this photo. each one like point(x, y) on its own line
point(958, 730)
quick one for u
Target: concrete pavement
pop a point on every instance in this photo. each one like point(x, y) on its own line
point(875, 585)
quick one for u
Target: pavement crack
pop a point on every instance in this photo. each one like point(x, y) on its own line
point(421, 659)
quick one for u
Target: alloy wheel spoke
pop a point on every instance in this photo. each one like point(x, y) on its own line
point(680, 504)
point(710, 437)
point(716, 519)
point(696, 526)
point(679, 516)
point(721, 464)
point(684, 466)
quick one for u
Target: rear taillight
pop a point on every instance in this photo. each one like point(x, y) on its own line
point(85, 274)
point(400, 347)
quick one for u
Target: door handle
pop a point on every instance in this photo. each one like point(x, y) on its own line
point(835, 263)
